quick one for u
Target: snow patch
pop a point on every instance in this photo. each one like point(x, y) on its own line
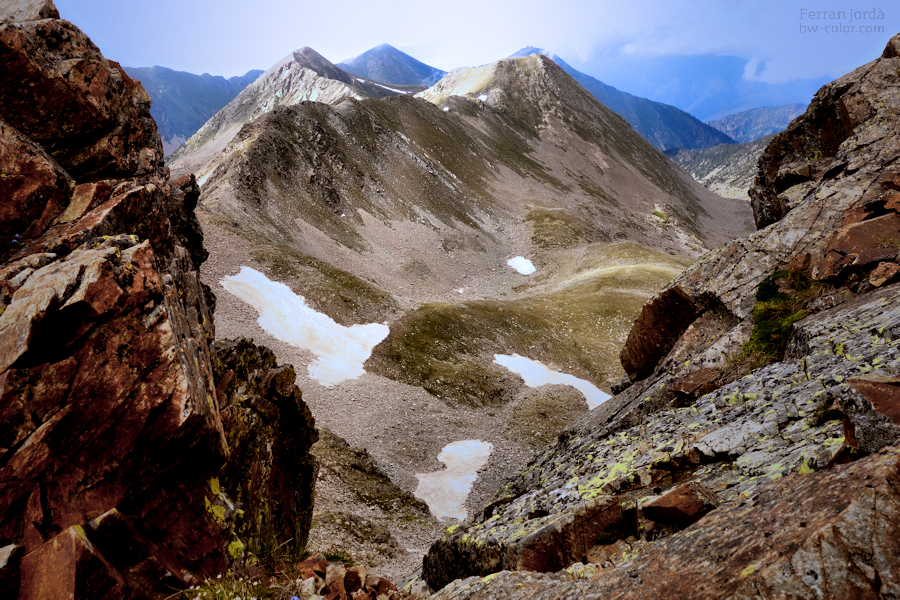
point(392, 89)
point(340, 351)
point(483, 97)
point(522, 265)
point(536, 374)
point(446, 491)
point(446, 109)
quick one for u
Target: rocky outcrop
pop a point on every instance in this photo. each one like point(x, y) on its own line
point(816, 148)
point(827, 535)
point(755, 449)
point(270, 474)
point(93, 118)
point(111, 437)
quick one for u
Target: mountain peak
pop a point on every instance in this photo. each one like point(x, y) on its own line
point(527, 51)
point(386, 64)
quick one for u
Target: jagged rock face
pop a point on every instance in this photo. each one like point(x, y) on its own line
point(270, 430)
point(110, 432)
point(770, 448)
point(846, 131)
point(94, 119)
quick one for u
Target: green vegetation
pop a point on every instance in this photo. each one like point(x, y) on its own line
point(781, 301)
point(231, 586)
point(661, 215)
point(346, 298)
point(338, 557)
point(579, 328)
point(555, 228)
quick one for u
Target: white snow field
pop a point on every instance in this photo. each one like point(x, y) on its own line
point(340, 351)
point(536, 374)
point(446, 491)
point(522, 265)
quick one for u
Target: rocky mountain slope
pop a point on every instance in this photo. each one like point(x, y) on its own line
point(386, 64)
point(304, 75)
point(183, 102)
point(728, 169)
point(137, 457)
point(663, 125)
point(752, 451)
point(757, 123)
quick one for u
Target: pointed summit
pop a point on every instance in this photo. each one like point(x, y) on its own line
point(664, 126)
point(386, 64)
point(527, 51)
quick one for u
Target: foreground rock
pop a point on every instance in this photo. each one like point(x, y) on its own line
point(758, 378)
point(825, 535)
point(111, 435)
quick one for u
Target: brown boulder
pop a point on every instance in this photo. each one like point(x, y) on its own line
point(317, 566)
point(884, 273)
point(355, 579)
point(681, 506)
point(660, 324)
point(695, 380)
point(851, 240)
point(68, 566)
point(883, 393)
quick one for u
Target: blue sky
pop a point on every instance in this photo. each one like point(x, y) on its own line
point(230, 37)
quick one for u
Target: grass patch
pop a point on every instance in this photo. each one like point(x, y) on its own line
point(448, 349)
point(231, 586)
point(338, 557)
point(781, 300)
point(344, 297)
point(740, 364)
point(661, 215)
point(554, 228)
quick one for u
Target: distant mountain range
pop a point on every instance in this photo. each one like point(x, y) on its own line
point(755, 123)
point(386, 64)
point(707, 86)
point(183, 102)
point(662, 125)
point(727, 169)
point(303, 75)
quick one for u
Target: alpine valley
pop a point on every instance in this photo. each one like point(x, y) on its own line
point(379, 331)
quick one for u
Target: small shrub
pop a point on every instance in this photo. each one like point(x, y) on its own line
point(338, 557)
point(776, 311)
